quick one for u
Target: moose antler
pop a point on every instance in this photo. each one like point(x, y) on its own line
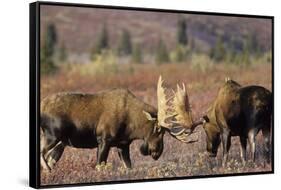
point(163, 108)
point(180, 111)
point(182, 108)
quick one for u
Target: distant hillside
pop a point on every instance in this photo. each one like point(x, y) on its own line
point(78, 28)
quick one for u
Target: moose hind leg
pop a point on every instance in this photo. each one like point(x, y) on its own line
point(266, 135)
point(43, 143)
point(49, 144)
point(243, 147)
point(55, 154)
point(252, 141)
point(43, 163)
point(124, 155)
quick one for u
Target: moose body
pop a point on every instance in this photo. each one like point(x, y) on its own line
point(238, 111)
point(103, 120)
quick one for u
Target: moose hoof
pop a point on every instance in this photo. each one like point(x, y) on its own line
point(100, 166)
point(51, 163)
point(212, 155)
point(224, 163)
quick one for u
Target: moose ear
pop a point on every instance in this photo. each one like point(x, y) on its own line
point(149, 116)
point(227, 79)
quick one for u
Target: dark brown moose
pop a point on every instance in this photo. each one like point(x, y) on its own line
point(237, 111)
point(103, 120)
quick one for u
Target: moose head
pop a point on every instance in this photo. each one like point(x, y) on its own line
point(173, 116)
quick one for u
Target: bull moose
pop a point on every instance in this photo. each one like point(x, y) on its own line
point(103, 120)
point(239, 111)
point(236, 111)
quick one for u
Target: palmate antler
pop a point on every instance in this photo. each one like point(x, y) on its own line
point(176, 118)
point(163, 108)
point(182, 108)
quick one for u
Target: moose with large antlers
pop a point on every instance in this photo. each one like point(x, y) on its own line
point(109, 119)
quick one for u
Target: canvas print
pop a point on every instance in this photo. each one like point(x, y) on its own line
point(128, 95)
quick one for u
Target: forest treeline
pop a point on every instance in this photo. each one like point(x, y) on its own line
point(226, 49)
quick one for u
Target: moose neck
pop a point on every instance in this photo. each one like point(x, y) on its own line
point(140, 126)
point(143, 132)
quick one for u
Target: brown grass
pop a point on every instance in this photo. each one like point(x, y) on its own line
point(178, 159)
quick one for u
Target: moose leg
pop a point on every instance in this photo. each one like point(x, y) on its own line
point(243, 147)
point(44, 150)
point(54, 154)
point(124, 155)
point(225, 145)
point(43, 163)
point(266, 135)
point(43, 143)
point(252, 138)
point(103, 150)
point(47, 142)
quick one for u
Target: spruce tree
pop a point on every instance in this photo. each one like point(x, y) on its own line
point(125, 45)
point(245, 59)
point(50, 40)
point(218, 52)
point(48, 49)
point(137, 54)
point(182, 32)
point(162, 55)
point(102, 42)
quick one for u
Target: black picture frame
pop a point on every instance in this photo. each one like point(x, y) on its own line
point(34, 91)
